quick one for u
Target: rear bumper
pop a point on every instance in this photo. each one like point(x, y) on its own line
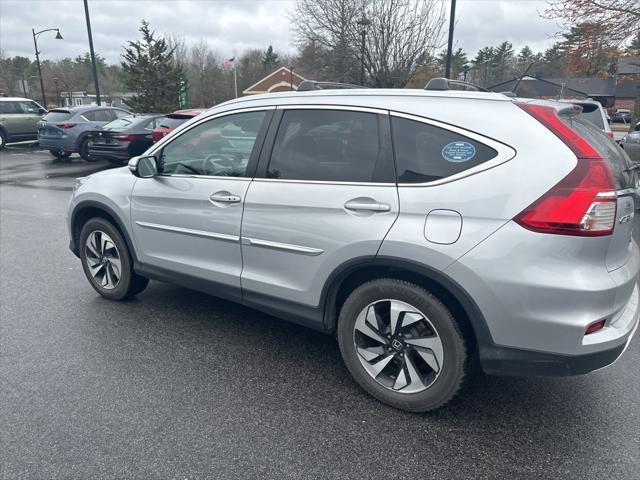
point(524, 363)
point(57, 143)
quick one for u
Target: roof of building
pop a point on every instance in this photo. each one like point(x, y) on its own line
point(539, 87)
point(282, 77)
point(628, 65)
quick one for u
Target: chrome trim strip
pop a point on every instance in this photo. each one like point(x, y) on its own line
point(285, 247)
point(188, 231)
point(505, 152)
point(322, 182)
point(626, 191)
point(191, 175)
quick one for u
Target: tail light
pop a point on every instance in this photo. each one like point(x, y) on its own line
point(610, 134)
point(584, 203)
point(66, 125)
point(125, 138)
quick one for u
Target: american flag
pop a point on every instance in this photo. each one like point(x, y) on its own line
point(229, 62)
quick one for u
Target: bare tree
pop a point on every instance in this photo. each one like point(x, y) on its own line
point(618, 19)
point(399, 35)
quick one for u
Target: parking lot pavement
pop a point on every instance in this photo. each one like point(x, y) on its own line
point(179, 385)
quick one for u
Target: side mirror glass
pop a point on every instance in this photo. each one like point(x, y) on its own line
point(144, 167)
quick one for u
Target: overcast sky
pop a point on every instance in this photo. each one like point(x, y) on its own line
point(232, 25)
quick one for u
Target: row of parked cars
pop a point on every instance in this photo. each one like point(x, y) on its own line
point(94, 132)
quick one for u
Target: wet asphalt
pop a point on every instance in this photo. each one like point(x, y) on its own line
point(179, 385)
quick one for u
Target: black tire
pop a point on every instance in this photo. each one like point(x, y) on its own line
point(129, 283)
point(60, 154)
point(3, 140)
point(84, 151)
point(455, 361)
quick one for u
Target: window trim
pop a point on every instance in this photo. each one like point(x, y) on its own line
point(504, 152)
point(265, 157)
point(253, 159)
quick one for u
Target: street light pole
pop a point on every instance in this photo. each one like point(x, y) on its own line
point(93, 55)
point(364, 22)
point(452, 18)
point(35, 44)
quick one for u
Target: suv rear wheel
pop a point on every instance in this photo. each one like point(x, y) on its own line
point(84, 151)
point(402, 345)
point(106, 261)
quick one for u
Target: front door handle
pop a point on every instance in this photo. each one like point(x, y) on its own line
point(224, 197)
point(366, 206)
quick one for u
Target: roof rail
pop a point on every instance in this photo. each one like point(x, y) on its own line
point(308, 85)
point(440, 83)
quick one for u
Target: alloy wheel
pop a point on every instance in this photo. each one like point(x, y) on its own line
point(398, 346)
point(103, 259)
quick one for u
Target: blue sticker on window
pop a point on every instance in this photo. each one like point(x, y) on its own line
point(458, 152)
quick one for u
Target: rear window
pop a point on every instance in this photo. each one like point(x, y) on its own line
point(426, 153)
point(173, 122)
point(616, 157)
point(592, 113)
point(57, 116)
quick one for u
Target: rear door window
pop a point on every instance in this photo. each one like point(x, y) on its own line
point(9, 107)
point(426, 153)
point(330, 146)
point(98, 116)
point(608, 148)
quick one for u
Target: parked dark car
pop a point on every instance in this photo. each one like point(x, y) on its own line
point(123, 138)
point(174, 120)
point(621, 116)
point(63, 131)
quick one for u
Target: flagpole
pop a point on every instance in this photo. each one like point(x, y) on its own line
point(235, 79)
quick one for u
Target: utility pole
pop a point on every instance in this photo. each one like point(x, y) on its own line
point(93, 55)
point(452, 19)
point(364, 23)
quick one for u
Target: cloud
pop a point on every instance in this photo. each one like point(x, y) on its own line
point(229, 26)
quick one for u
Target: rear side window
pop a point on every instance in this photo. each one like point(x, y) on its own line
point(99, 116)
point(616, 157)
point(57, 116)
point(329, 145)
point(426, 153)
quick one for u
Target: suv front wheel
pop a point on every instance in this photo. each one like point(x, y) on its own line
point(106, 261)
point(402, 345)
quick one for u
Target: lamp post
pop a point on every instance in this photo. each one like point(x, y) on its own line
point(452, 19)
point(35, 43)
point(364, 23)
point(93, 55)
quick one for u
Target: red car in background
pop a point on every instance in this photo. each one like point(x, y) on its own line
point(173, 120)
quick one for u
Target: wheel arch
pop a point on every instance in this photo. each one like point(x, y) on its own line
point(354, 273)
point(90, 209)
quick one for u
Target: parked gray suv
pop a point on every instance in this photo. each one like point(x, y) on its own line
point(421, 227)
point(64, 131)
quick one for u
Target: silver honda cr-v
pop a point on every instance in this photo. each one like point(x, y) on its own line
point(431, 231)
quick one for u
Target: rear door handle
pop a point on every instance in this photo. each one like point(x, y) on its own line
point(366, 206)
point(224, 197)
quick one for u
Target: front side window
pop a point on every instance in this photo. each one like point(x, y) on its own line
point(29, 107)
point(426, 153)
point(219, 147)
point(328, 145)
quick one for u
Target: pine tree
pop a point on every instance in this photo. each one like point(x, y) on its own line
point(151, 71)
point(270, 59)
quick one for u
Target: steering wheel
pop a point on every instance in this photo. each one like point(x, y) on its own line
point(217, 163)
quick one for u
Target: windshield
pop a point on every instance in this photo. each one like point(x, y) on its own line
point(592, 113)
point(173, 122)
point(57, 116)
point(617, 158)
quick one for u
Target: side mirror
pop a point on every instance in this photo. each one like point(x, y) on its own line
point(144, 167)
point(42, 111)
